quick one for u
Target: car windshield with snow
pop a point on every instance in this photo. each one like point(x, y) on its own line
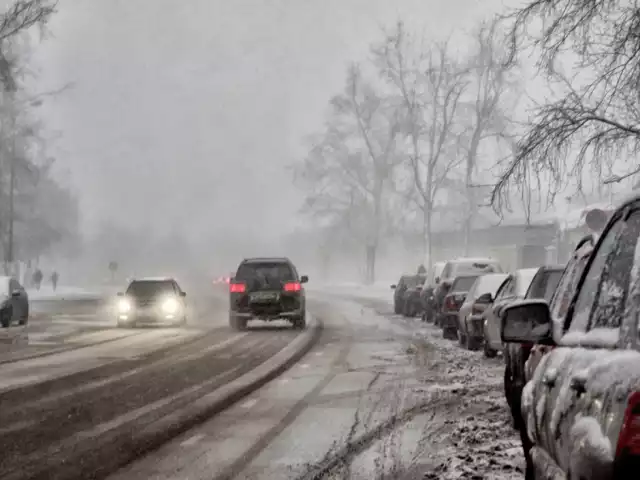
point(582, 405)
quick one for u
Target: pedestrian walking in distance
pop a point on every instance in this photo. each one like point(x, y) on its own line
point(54, 279)
point(37, 278)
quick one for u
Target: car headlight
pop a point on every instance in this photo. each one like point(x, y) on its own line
point(124, 306)
point(170, 305)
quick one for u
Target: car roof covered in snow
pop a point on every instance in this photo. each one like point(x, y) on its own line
point(266, 260)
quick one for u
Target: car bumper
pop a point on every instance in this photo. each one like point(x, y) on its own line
point(150, 317)
point(449, 320)
point(475, 326)
point(264, 313)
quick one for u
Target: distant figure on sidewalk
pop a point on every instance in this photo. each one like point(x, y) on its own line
point(37, 278)
point(54, 280)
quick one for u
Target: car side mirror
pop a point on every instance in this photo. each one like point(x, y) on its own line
point(304, 279)
point(485, 298)
point(526, 321)
point(394, 286)
point(183, 294)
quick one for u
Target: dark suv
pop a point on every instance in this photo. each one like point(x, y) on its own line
point(267, 289)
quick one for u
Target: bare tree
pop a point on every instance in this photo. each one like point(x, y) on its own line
point(431, 84)
point(595, 113)
point(489, 98)
point(350, 169)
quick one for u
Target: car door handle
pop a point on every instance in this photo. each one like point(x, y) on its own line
point(578, 385)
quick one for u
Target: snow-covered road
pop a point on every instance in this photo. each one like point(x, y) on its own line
point(378, 397)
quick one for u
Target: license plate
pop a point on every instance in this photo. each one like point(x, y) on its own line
point(264, 297)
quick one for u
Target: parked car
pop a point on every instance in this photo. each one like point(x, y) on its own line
point(582, 406)
point(543, 285)
point(514, 287)
point(479, 297)
point(14, 303)
point(427, 294)
point(405, 283)
point(457, 267)
point(452, 303)
point(558, 306)
point(411, 301)
point(559, 303)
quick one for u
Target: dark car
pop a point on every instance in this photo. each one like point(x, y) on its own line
point(453, 300)
point(582, 404)
point(14, 303)
point(543, 285)
point(267, 289)
point(412, 302)
point(152, 301)
point(457, 267)
point(479, 298)
point(406, 283)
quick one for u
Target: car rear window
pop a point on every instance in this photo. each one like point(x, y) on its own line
point(267, 271)
point(490, 284)
point(414, 280)
point(150, 288)
point(463, 268)
point(463, 284)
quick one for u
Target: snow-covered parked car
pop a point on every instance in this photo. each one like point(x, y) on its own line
point(543, 285)
point(582, 405)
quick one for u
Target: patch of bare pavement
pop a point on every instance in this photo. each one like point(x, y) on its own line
point(377, 397)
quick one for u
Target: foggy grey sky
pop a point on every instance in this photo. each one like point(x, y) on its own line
point(185, 113)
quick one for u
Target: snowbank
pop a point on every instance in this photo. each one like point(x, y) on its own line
point(66, 293)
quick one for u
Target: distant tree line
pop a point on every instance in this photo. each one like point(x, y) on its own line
point(419, 129)
point(37, 212)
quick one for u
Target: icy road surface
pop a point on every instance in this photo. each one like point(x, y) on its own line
point(378, 397)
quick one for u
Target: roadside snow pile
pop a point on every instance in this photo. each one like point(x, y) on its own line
point(482, 445)
point(64, 293)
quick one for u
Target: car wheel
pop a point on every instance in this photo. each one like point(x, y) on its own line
point(471, 343)
point(397, 308)
point(488, 351)
point(238, 323)
point(300, 323)
point(449, 333)
point(462, 339)
point(5, 317)
point(25, 318)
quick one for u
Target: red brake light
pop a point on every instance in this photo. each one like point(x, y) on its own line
point(629, 438)
point(292, 287)
point(449, 303)
point(237, 287)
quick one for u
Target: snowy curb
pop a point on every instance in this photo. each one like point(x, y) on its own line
point(129, 440)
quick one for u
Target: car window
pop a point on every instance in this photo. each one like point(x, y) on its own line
point(463, 284)
point(504, 290)
point(150, 288)
point(267, 273)
point(567, 285)
point(446, 271)
point(471, 294)
point(600, 297)
point(13, 285)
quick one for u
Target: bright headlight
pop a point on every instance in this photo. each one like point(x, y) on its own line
point(170, 305)
point(124, 305)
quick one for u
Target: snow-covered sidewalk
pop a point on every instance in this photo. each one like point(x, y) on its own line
point(68, 293)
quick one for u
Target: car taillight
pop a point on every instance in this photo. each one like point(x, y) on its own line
point(449, 303)
point(629, 438)
point(237, 287)
point(292, 287)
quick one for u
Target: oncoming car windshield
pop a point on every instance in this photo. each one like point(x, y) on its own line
point(150, 288)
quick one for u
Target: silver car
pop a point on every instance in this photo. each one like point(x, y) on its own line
point(483, 286)
point(514, 288)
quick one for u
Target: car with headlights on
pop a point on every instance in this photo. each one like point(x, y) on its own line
point(14, 302)
point(152, 301)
